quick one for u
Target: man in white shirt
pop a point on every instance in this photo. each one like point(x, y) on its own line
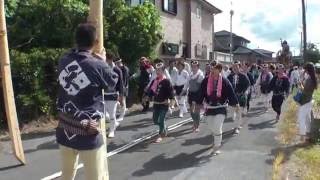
point(180, 83)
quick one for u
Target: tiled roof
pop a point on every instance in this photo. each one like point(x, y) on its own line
point(245, 50)
point(263, 51)
point(227, 33)
point(211, 7)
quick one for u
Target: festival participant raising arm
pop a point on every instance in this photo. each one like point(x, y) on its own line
point(217, 92)
point(82, 76)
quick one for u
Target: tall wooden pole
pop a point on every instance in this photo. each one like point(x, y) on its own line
point(8, 90)
point(96, 18)
point(304, 30)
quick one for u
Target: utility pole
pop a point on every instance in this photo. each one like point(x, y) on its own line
point(304, 30)
point(231, 38)
point(11, 112)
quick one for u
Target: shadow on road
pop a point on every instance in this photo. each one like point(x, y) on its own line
point(263, 125)
point(142, 123)
point(47, 145)
point(181, 161)
point(208, 139)
point(10, 167)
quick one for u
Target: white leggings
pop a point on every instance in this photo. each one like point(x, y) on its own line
point(237, 116)
point(304, 118)
point(215, 124)
point(111, 108)
point(122, 109)
point(182, 104)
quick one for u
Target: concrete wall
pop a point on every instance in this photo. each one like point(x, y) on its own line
point(175, 27)
point(186, 27)
point(201, 29)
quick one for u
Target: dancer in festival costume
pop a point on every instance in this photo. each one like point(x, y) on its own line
point(125, 77)
point(113, 96)
point(163, 97)
point(307, 88)
point(173, 71)
point(294, 78)
point(246, 70)
point(241, 84)
point(181, 82)
point(280, 87)
point(207, 69)
point(264, 82)
point(216, 91)
point(82, 76)
point(146, 70)
point(195, 80)
point(226, 71)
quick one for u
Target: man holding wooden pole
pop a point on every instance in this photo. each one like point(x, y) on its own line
point(8, 90)
point(82, 77)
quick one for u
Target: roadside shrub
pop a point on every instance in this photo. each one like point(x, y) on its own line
point(34, 81)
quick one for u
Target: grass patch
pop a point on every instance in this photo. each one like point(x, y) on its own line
point(288, 122)
point(309, 162)
point(276, 168)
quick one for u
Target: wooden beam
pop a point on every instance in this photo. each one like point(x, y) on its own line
point(96, 18)
point(8, 89)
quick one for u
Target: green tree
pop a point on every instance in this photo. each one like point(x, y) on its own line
point(132, 31)
point(43, 23)
point(313, 53)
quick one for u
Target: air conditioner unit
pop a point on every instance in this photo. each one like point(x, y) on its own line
point(170, 49)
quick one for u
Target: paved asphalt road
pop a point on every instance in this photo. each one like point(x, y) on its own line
point(181, 156)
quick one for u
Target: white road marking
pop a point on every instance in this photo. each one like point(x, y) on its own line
point(128, 146)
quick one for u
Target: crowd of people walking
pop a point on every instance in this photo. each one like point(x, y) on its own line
point(93, 86)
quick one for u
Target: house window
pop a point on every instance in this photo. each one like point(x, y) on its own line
point(170, 6)
point(199, 12)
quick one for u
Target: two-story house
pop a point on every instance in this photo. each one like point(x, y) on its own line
point(240, 50)
point(222, 41)
point(188, 27)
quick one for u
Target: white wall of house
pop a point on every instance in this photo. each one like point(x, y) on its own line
point(201, 29)
point(174, 26)
point(223, 57)
point(187, 27)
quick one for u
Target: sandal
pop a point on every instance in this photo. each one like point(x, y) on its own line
point(158, 140)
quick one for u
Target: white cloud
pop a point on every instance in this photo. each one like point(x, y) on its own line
point(264, 22)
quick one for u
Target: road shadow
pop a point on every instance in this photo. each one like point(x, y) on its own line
point(263, 125)
point(33, 135)
point(50, 145)
point(10, 167)
point(142, 123)
point(161, 163)
point(176, 134)
point(208, 139)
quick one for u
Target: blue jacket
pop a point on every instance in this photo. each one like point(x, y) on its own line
point(81, 78)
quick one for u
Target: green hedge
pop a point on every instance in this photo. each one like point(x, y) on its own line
point(34, 81)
